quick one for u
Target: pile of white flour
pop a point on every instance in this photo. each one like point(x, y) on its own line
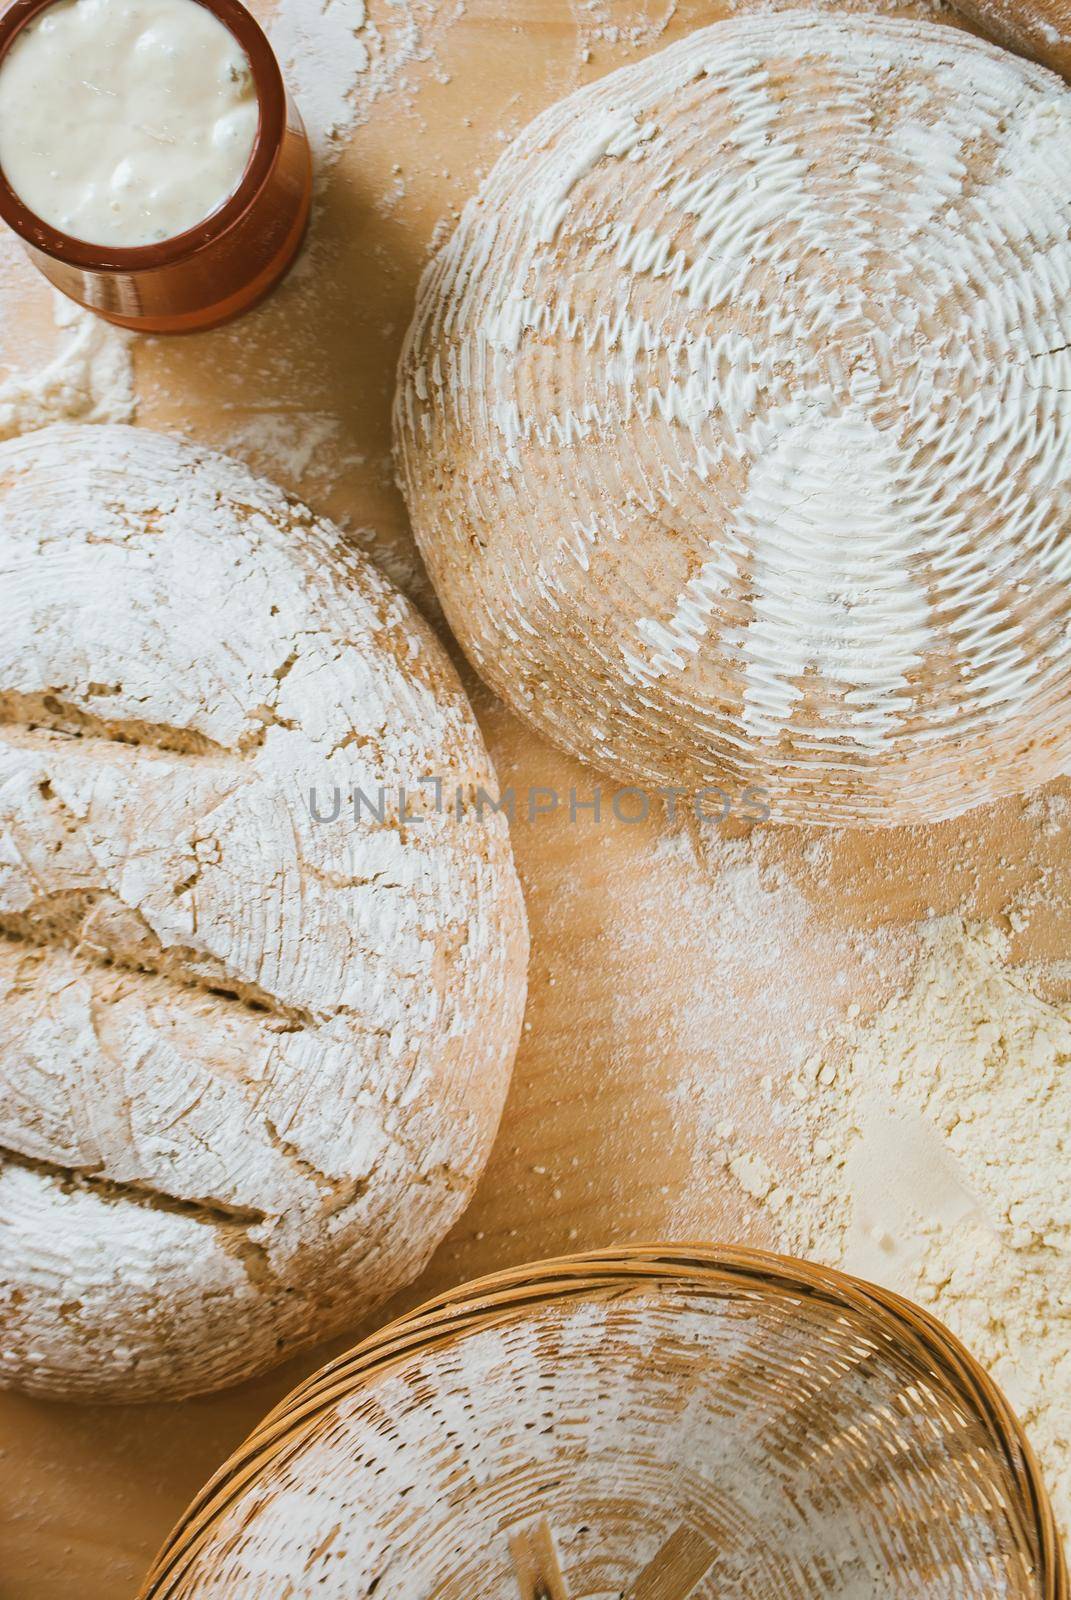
point(90, 378)
point(939, 1136)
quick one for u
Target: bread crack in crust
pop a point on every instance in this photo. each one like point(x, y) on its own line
point(251, 1064)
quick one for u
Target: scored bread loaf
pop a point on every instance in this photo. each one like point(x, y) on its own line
point(734, 420)
point(251, 1059)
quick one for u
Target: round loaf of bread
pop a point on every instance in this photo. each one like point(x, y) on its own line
point(735, 420)
point(255, 1037)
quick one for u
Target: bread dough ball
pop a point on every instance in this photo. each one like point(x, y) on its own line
point(251, 1062)
point(735, 420)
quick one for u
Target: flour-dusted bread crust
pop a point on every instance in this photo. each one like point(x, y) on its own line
point(735, 420)
point(251, 1064)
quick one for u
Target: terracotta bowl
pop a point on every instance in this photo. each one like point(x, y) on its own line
point(223, 266)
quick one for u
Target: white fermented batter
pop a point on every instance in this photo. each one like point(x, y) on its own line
point(124, 122)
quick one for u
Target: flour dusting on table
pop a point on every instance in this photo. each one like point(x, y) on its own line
point(339, 56)
point(324, 55)
point(89, 379)
point(937, 1137)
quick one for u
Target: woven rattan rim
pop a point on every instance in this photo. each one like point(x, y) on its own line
point(608, 1274)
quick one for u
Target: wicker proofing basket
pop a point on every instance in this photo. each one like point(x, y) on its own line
point(650, 1423)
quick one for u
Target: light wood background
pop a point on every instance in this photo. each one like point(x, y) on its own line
point(653, 994)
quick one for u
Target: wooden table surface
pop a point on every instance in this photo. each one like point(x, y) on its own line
point(672, 974)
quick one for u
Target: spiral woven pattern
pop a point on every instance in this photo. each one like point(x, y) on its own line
point(651, 1422)
point(734, 420)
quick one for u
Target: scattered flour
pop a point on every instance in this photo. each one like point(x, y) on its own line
point(339, 56)
point(957, 1091)
point(307, 446)
point(603, 24)
point(751, 982)
point(324, 54)
point(89, 379)
point(941, 1134)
